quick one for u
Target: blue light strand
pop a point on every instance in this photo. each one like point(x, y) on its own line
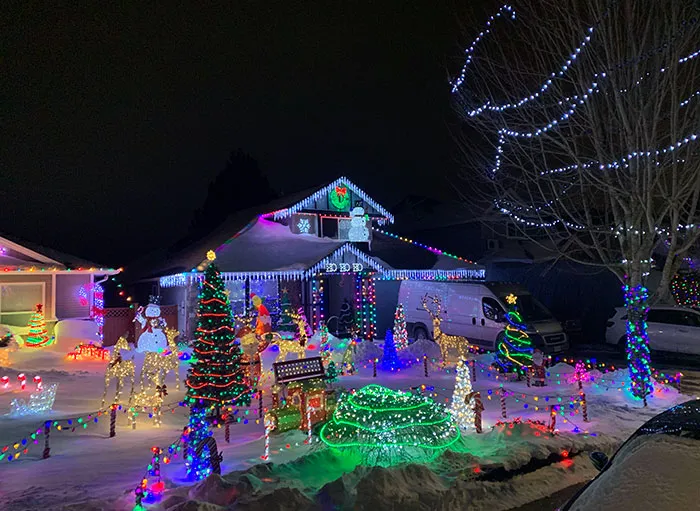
point(621, 162)
point(687, 101)
point(503, 11)
point(543, 88)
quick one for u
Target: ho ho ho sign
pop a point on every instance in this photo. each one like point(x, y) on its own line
point(344, 267)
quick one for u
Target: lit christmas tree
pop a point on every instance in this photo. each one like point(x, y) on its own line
point(390, 426)
point(514, 351)
point(462, 412)
point(38, 335)
point(331, 373)
point(400, 333)
point(285, 325)
point(390, 360)
point(216, 378)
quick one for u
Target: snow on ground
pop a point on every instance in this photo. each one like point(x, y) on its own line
point(88, 470)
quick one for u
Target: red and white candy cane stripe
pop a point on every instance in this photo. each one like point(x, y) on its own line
point(268, 429)
point(503, 404)
point(308, 424)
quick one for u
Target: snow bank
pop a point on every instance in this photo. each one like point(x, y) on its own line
point(71, 332)
point(416, 350)
point(366, 351)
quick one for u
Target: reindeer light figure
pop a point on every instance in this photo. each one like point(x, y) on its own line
point(445, 341)
point(287, 346)
point(120, 369)
point(156, 366)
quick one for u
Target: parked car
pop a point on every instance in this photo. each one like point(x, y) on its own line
point(477, 311)
point(670, 329)
point(656, 468)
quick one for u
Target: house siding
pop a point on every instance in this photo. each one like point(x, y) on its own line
point(67, 298)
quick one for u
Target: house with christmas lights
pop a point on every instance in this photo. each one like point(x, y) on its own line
point(329, 250)
point(67, 287)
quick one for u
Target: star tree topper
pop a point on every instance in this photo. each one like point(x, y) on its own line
point(511, 299)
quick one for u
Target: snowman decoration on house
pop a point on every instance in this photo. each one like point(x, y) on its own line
point(152, 336)
point(358, 225)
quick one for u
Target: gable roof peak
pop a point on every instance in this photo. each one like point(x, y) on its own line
point(342, 180)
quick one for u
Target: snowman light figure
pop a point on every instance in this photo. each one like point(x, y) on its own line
point(358, 231)
point(152, 337)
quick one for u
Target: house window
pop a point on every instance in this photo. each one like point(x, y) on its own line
point(329, 227)
point(20, 298)
point(492, 309)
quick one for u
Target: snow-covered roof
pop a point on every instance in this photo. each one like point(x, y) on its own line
point(21, 256)
point(268, 246)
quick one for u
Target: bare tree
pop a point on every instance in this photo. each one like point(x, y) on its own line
point(585, 116)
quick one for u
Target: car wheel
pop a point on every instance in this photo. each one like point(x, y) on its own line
point(420, 333)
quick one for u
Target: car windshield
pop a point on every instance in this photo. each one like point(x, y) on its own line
point(530, 309)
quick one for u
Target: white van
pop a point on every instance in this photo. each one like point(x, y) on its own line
point(477, 311)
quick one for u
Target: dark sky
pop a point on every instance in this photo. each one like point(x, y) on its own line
point(115, 119)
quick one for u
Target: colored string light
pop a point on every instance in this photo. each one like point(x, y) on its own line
point(388, 425)
point(686, 290)
point(422, 245)
point(638, 354)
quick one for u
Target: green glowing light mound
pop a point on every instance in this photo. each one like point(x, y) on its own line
point(390, 427)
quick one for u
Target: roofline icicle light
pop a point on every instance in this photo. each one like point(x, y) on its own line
point(286, 212)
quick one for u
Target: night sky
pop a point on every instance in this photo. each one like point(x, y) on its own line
point(115, 119)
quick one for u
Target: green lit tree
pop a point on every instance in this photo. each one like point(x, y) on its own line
point(285, 325)
point(331, 372)
point(216, 378)
point(514, 348)
point(389, 426)
point(38, 335)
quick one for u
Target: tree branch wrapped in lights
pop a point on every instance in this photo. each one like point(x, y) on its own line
point(389, 426)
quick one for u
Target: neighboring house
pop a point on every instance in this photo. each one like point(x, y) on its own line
point(31, 275)
point(575, 293)
point(324, 246)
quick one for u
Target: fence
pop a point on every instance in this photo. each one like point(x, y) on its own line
point(120, 321)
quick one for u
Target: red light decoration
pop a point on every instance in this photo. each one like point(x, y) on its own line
point(89, 352)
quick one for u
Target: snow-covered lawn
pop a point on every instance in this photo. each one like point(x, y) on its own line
point(88, 470)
